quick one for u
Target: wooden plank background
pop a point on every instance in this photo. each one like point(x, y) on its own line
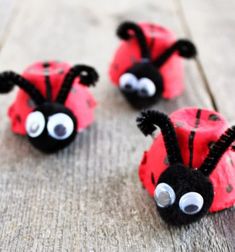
point(88, 197)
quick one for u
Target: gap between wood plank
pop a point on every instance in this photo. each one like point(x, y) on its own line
point(10, 21)
point(187, 31)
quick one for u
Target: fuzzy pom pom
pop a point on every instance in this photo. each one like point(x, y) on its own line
point(186, 48)
point(6, 85)
point(145, 122)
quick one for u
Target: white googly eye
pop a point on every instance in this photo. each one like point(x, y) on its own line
point(128, 82)
point(60, 126)
point(146, 88)
point(164, 195)
point(35, 124)
point(191, 203)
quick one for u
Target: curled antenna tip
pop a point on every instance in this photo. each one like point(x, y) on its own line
point(145, 123)
point(90, 77)
point(186, 48)
point(122, 30)
point(5, 84)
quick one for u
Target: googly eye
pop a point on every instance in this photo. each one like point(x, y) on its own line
point(35, 124)
point(164, 195)
point(60, 126)
point(128, 82)
point(146, 88)
point(191, 203)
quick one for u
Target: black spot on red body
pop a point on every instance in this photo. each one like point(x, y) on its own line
point(46, 64)
point(144, 160)
point(192, 136)
point(18, 118)
point(214, 117)
point(153, 179)
point(229, 188)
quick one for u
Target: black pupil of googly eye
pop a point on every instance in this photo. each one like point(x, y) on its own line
point(34, 127)
point(60, 130)
point(191, 208)
point(143, 91)
point(128, 86)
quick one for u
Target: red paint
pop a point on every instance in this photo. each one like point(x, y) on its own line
point(79, 101)
point(158, 39)
point(209, 129)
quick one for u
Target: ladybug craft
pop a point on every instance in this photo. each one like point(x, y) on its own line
point(53, 102)
point(147, 64)
point(190, 167)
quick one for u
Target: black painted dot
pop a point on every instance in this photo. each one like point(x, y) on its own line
point(233, 147)
point(152, 178)
point(144, 160)
point(229, 188)
point(18, 118)
point(213, 117)
point(46, 64)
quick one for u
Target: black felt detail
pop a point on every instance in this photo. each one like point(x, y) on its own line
point(46, 143)
point(147, 124)
point(217, 151)
point(153, 179)
point(184, 47)
point(127, 29)
point(87, 74)
point(8, 79)
point(46, 66)
point(144, 70)
point(184, 180)
point(192, 137)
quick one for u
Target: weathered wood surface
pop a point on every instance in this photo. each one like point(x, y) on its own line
point(88, 196)
point(211, 24)
point(6, 15)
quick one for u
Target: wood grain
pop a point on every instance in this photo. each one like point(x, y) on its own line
point(6, 15)
point(88, 197)
point(212, 27)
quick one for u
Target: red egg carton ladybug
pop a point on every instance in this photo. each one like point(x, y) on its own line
point(190, 167)
point(53, 102)
point(147, 65)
